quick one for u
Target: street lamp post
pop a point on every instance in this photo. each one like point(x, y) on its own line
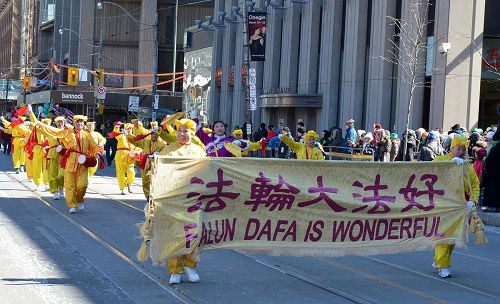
point(175, 45)
point(246, 64)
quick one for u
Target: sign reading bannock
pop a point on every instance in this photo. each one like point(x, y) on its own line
point(285, 207)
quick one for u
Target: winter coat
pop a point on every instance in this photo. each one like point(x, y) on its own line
point(491, 177)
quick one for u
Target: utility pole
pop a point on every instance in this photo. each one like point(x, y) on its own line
point(175, 45)
point(156, 99)
point(246, 64)
point(99, 64)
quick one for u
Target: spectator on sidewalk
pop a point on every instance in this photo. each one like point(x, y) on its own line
point(350, 137)
point(491, 176)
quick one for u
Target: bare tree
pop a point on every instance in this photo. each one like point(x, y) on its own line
point(409, 49)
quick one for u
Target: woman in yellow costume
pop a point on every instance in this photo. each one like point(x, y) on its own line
point(78, 142)
point(35, 147)
point(99, 140)
point(125, 172)
point(20, 134)
point(458, 150)
point(245, 145)
point(45, 163)
point(307, 150)
point(183, 147)
point(55, 172)
point(150, 145)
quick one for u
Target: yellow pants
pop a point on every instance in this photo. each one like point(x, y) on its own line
point(45, 170)
point(176, 266)
point(125, 172)
point(146, 182)
point(29, 168)
point(92, 171)
point(442, 255)
point(56, 175)
point(36, 166)
point(75, 186)
point(18, 157)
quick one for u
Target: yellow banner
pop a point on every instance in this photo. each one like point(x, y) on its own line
point(285, 207)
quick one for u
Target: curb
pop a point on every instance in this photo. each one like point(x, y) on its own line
point(490, 218)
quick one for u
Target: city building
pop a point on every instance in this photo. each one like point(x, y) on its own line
point(324, 63)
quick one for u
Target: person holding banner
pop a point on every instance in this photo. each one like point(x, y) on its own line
point(245, 145)
point(214, 145)
point(308, 150)
point(55, 172)
point(458, 149)
point(183, 147)
point(99, 140)
point(81, 151)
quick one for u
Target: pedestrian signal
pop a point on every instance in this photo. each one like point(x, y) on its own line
point(26, 82)
point(99, 73)
point(73, 76)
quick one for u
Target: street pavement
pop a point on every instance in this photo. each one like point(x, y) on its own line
point(50, 256)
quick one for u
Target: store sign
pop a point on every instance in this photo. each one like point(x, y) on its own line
point(133, 103)
point(491, 58)
point(257, 35)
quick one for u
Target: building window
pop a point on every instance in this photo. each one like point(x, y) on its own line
point(48, 10)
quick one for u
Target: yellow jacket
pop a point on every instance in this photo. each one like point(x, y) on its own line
point(98, 138)
point(147, 145)
point(302, 150)
point(474, 181)
point(177, 150)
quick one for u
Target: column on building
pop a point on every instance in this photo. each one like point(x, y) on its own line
point(353, 63)
point(15, 54)
point(404, 89)
point(239, 105)
point(329, 63)
point(379, 86)
point(145, 63)
point(272, 67)
point(456, 76)
point(215, 93)
point(289, 47)
point(259, 69)
point(87, 25)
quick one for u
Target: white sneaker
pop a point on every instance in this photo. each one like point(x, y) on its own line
point(434, 265)
point(81, 206)
point(444, 273)
point(123, 192)
point(191, 274)
point(57, 196)
point(61, 192)
point(22, 168)
point(46, 188)
point(175, 278)
point(36, 188)
point(72, 210)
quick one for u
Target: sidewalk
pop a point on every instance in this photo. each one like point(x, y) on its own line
point(490, 218)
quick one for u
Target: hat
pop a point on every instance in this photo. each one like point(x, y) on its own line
point(79, 117)
point(309, 134)
point(60, 118)
point(459, 140)
point(287, 129)
point(119, 123)
point(237, 132)
point(394, 136)
point(455, 127)
point(133, 120)
point(46, 121)
point(153, 124)
point(129, 126)
point(377, 126)
point(432, 137)
point(91, 123)
point(188, 123)
point(350, 122)
point(369, 135)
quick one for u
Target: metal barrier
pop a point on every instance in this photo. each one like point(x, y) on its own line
point(342, 153)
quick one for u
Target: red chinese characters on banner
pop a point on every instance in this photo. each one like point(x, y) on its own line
point(279, 196)
point(377, 198)
point(214, 202)
point(323, 196)
point(410, 193)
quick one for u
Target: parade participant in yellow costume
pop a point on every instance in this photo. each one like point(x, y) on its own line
point(183, 147)
point(125, 172)
point(99, 140)
point(246, 146)
point(138, 128)
point(35, 152)
point(28, 156)
point(308, 149)
point(45, 165)
point(78, 142)
point(150, 145)
point(19, 135)
point(459, 145)
point(55, 172)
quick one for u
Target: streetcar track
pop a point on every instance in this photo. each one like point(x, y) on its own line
point(282, 269)
point(157, 280)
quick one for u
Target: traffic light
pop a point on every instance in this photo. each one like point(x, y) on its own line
point(26, 82)
point(99, 77)
point(73, 76)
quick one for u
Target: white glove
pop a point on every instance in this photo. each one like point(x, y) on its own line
point(2, 118)
point(156, 153)
point(194, 113)
point(124, 132)
point(237, 142)
point(469, 205)
point(262, 139)
point(30, 109)
point(458, 160)
point(155, 128)
point(280, 136)
point(38, 123)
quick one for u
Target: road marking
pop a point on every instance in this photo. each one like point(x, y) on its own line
point(47, 235)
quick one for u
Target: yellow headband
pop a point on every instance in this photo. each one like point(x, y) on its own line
point(60, 118)
point(91, 123)
point(310, 134)
point(459, 140)
point(154, 124)
point(134, 120)
point(188, 123)
point(79, 117)
point(128, 126)
point(47, 121)
point(238, 132)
